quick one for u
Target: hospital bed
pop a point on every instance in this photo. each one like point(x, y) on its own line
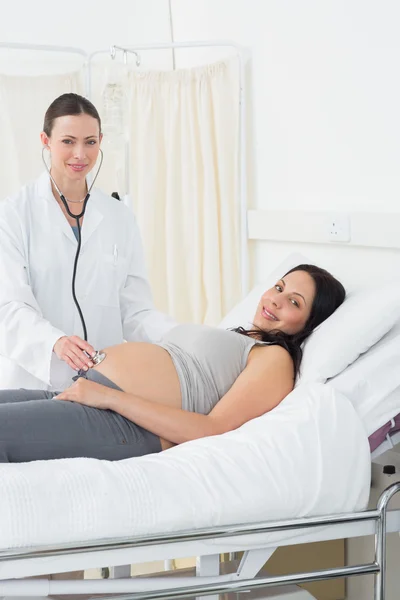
point(298, 474)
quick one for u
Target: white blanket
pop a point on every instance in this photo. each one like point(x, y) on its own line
point(309, 456)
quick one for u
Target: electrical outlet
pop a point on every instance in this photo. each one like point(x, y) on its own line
point(338, 227)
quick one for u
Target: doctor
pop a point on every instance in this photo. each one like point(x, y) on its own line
point(42, 343)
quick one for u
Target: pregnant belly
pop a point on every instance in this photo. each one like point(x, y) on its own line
point(145, 370)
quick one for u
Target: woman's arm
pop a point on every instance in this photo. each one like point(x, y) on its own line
point(263, 384)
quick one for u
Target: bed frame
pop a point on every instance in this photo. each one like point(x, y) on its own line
point(258, 540)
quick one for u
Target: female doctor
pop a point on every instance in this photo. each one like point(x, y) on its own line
point(42, 334)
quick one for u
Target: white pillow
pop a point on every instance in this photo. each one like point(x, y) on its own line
point(372, 382)
point(362, 320)
point(366, 315)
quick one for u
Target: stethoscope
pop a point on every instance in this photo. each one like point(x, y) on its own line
point(99, 357)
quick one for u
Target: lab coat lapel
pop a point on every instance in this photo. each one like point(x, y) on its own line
point(57, 216)
point(92, 218)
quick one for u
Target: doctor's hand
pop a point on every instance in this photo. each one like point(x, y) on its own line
point(87, 392)
point(70, 350)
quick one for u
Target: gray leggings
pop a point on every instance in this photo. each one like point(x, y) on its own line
point(33, 426)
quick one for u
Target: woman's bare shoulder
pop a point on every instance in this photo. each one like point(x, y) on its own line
point(271, 354)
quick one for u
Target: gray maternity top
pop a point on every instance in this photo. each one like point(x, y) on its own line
point(208, 362)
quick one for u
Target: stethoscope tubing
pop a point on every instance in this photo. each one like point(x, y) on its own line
point(77, 217)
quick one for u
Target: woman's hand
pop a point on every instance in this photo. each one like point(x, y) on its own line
point(87, 392)
point(72, 351)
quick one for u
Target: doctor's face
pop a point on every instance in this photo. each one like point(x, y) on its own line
point(287, 305)
point(74, 145)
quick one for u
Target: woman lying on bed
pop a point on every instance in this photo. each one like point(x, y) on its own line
point(198, 381)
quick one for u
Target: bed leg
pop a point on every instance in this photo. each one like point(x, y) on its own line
point(253, 561)
point(120, 572)
point(207, 566)
point(169, 564)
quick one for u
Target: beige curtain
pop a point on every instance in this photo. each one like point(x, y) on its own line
point(183, 172)
point(23, 103)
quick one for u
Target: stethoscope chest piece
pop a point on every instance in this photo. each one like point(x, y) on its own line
point(98, 357)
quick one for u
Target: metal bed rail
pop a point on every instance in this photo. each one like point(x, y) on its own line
point(223, 531)
point(207, 585)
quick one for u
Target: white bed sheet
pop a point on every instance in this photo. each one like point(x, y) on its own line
point(310, 456)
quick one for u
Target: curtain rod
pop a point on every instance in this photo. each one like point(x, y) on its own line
point(42, 47)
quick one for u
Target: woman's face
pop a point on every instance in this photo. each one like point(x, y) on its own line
point(287, 305)
point(74, 145)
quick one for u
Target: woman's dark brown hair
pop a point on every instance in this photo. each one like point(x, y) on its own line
point(68, 104)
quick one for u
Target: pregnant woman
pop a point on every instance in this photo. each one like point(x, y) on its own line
point(197, 381)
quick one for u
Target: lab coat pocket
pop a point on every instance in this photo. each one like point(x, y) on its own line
point(111, 279)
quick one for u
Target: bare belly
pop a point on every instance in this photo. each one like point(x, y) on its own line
point(145, 370)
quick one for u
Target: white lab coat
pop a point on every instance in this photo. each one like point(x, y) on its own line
point(37, 250)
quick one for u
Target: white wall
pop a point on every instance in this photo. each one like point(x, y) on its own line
point(324, 97)
point(90, 25)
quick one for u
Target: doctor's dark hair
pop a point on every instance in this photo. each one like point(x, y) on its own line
point(68, 104)
point(329, 295)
